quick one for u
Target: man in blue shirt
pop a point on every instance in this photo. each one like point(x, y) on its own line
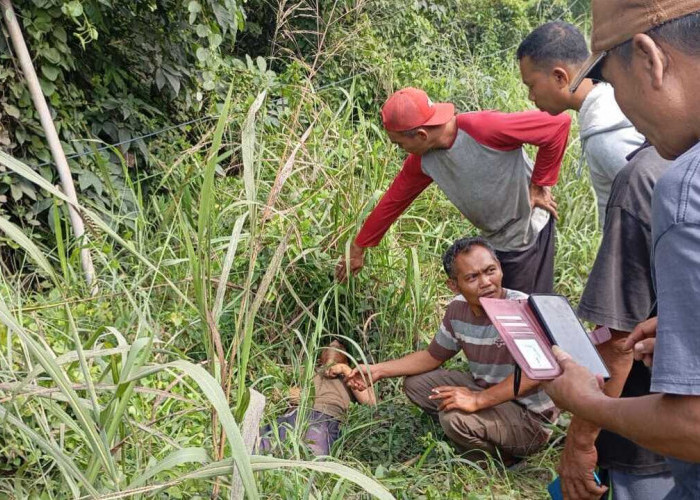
point(649, 50)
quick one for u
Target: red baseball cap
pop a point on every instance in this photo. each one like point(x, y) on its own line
point(410, 108)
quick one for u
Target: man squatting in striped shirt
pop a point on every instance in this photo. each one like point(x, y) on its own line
point(476, 409)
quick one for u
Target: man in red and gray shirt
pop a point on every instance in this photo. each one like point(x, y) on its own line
point(478, 161)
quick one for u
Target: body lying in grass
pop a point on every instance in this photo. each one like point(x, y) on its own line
point(477, 409)
point(332, 398)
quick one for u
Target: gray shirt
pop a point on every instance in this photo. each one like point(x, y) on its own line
point(607, 137)
point(495, 200)
point(676, 272)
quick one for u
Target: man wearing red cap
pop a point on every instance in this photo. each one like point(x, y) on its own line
point(649, 51)
point(478, 161)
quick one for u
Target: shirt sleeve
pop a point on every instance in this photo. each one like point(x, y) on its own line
point(619, 292)
point(408, 184)
point(508, 131)
point(444, 346)
point(676, 364)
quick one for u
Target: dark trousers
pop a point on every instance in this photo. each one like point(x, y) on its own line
point(322, 432)
point(532, 270)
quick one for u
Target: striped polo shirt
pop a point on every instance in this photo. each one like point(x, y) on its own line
point(489, 359)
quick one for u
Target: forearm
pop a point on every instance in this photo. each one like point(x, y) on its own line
point(503, 391)
point(619, 362)
point(666, 424)
point(412, 364)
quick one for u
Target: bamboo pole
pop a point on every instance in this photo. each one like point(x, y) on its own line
point(59, 157)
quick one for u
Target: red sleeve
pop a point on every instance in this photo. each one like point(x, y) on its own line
point(508, 131)
point(407, 185)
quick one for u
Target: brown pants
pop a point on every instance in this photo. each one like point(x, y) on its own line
point(509, 428)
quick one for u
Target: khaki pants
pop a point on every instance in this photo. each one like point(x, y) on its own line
point(509, 428)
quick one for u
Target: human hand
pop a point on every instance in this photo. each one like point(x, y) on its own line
point(362, 377)
point(337, 369)
point(541, 196)
point(576, 466)
point(356, 260)
point(643, 340)
point(575, 387)
point(456, 398)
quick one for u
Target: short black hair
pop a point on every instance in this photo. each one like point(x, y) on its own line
point(554, 42)
point(682, 33)
point(463, 245)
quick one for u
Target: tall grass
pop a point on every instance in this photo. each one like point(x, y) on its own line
point(221, 281)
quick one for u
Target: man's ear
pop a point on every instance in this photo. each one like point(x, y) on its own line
point(422, 133)
point(652, 58)
point(452, 285)
point(561, 76)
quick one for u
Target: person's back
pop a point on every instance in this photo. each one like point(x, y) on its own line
point(607, 137)
point(549, 58)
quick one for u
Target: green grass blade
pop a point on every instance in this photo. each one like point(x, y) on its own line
point(226, 268)
point(47, 360)
point(215, 395)
point(64, 462)
point(16, 235)
point(248, 147)
point(176, 458)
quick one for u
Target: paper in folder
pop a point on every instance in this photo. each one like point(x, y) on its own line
point(530, 327)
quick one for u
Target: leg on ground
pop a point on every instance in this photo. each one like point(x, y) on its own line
point(419, 387)
point(507, 428)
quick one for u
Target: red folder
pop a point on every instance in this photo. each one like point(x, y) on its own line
point(526, 339)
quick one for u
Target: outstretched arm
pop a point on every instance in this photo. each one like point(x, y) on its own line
point(412, 364)
point(363, 396)
point(407, 185)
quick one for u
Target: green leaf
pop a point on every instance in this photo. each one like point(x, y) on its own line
point(11, 110)
point(46, 358)
point(47, 87)
point(16, 235)
point(87, 179)
point(50, 72)
point(160, 79)
point(194, 7)
point(63, 460)
point(215, 40)
point(248, 147)
point(178, 457)
point(202, 54)
point(174, 82)
point(215, 395)
point(51, 54)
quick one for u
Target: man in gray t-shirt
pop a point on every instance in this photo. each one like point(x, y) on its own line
point(650, 52)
